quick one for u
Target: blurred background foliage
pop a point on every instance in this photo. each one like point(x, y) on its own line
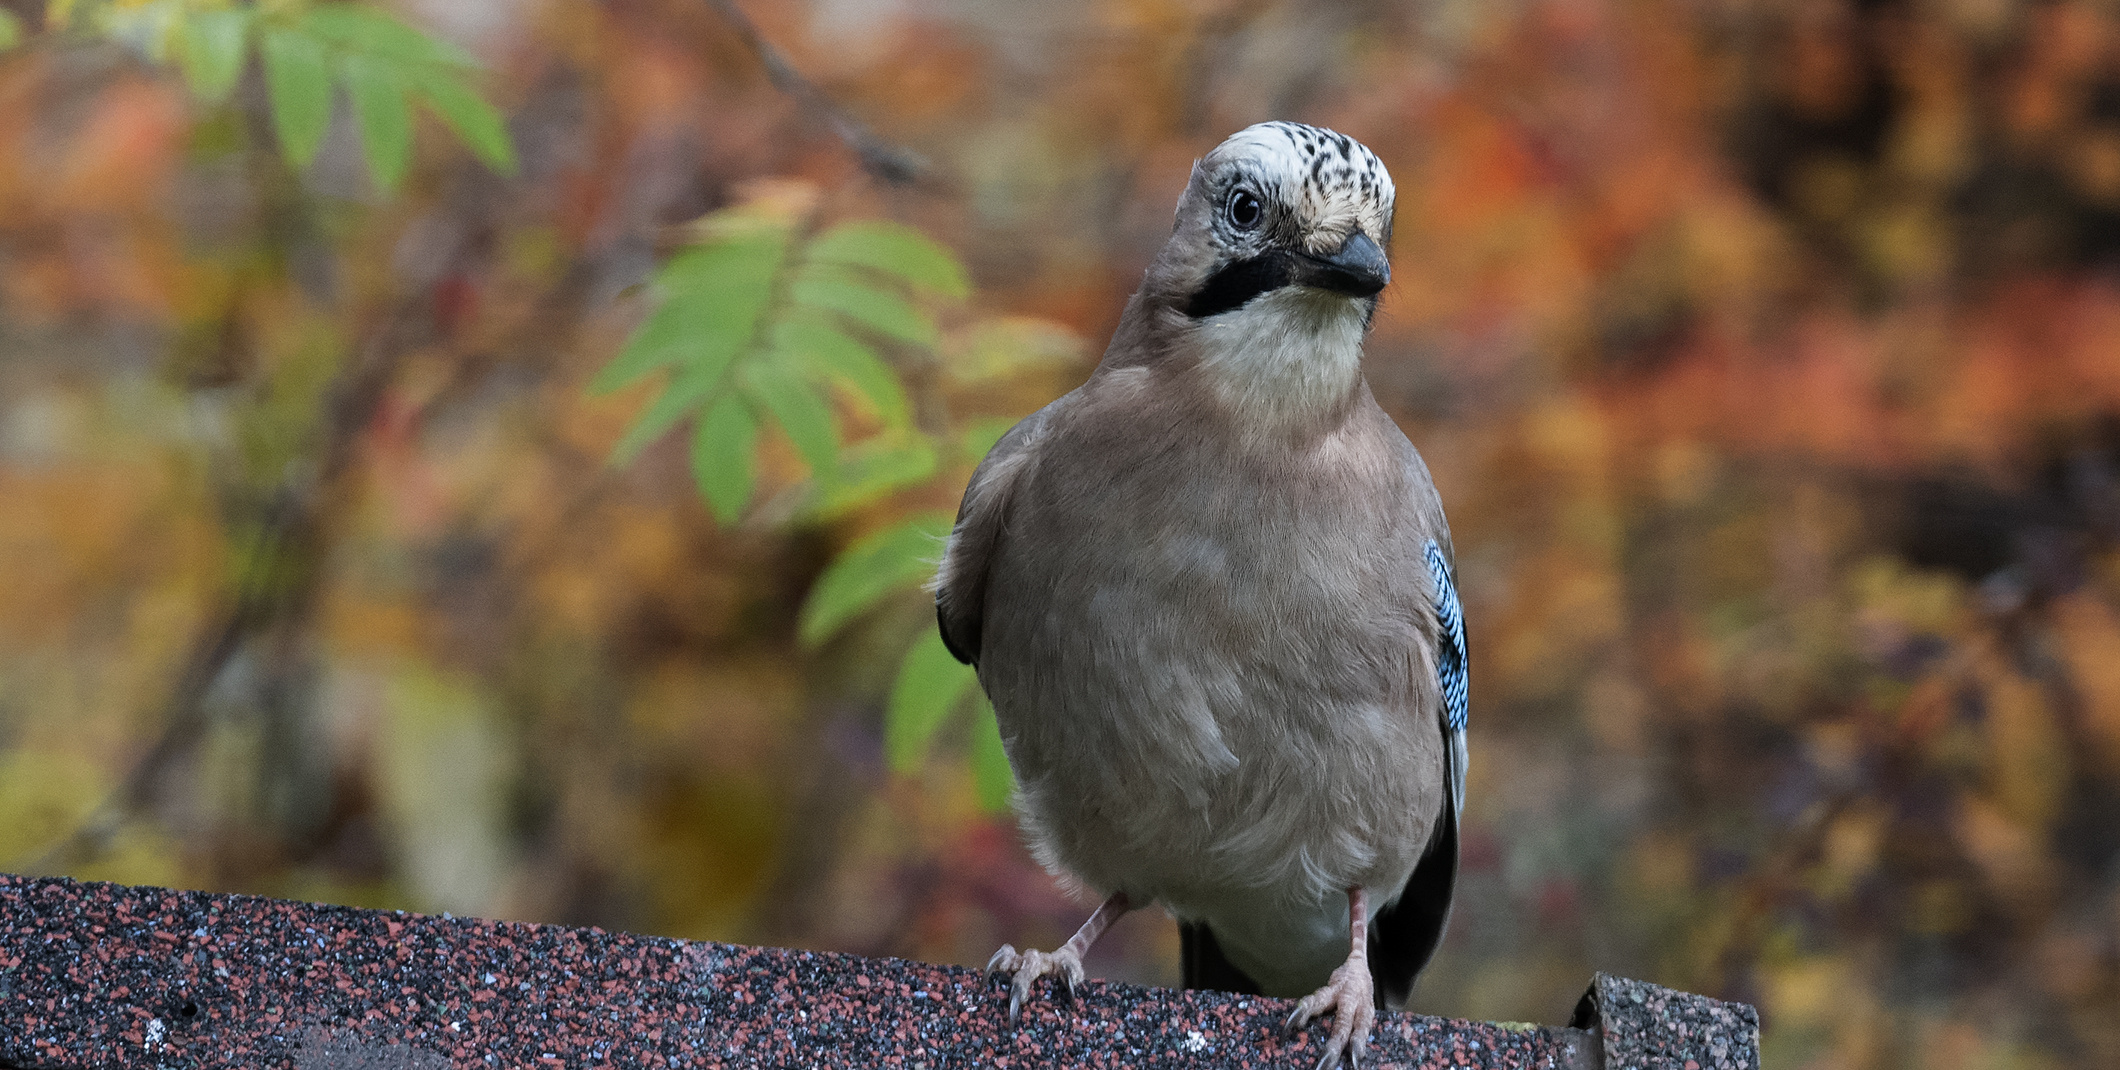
point(1767, 355)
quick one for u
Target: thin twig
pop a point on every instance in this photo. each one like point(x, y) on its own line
point(290, 536)
point(892, 163)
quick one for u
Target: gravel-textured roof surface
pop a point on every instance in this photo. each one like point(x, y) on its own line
point(104, 975)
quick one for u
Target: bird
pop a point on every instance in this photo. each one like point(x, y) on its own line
point(1212, 597)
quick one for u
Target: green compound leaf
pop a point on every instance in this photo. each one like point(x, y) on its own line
point(675, 330)
point(684, 395)
point(721, 455)
point(870, 469)
point(896, 250)
point(740, 262)
point(931, 682)
point(299, 85)
point(471, 117)
point(838, 290)
point(712, 298)
point(992, 776)
point(828, 353)
point(211, 48)
point(10, 30)
point(878, 565)
point(385, 118)
point(780, 389)
point(980, 436)
point(366, 31)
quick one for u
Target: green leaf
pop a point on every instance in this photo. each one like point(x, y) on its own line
point(869, 470)
point(896, 250)
point(780, 390)
point(684, 394)
point(992, 776)
point(890, 314)
point(10, 30)
point(471, 117)
point(741, 264)
point(721, 456)
point(882, 562)
point(931, 681)
point(385, 118)
point(666, 337)
point(979, 438)
point(829, 354)
point(299, 84)
point(365, 31)
point(1003, 346)
point(211, 47)
point(712, 298)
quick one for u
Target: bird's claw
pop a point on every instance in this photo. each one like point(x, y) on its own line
point(1351, 997)
point(1025, 967)
point(1006, 954)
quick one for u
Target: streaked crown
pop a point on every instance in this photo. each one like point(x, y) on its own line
point(1279, 205)
point(1315, 188)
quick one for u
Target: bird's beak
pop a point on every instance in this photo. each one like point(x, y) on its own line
point(1358, 269)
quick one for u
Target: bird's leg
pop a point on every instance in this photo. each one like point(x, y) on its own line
point(1349, 995)
point(1066, 963)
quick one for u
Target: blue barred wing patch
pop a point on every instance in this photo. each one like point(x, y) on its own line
point(1450, 644)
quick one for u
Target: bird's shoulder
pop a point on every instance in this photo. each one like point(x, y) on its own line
point(961, 574)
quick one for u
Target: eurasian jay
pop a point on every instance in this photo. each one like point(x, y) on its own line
point(1212, 596)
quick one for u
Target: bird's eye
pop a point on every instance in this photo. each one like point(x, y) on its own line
point(1244, 210)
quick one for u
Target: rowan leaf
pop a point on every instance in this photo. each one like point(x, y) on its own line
point(931, 682)
point(894, 559)
point(298, 83)
point(721, 455)
point(992, 776)
point(712, 297)
point(211, 47)
point(384, 114)
point(366, 31)
point(896, 250)
point(686, 393)
point(980, 437)
point(827, 287)
point(829, 353)
point(780, 389)
point(869, 470)
point(474, 120)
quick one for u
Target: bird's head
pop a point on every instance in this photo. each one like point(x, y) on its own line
point(1270, 279)
point(1281, 205)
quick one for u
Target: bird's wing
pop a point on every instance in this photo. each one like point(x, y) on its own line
point(1451, 665)
point(1408, 932)
point(982, 521)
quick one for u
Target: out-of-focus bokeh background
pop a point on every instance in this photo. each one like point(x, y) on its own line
point(1767, 355)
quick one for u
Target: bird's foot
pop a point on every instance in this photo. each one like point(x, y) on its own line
point(1351, 997)
point(1027, 966)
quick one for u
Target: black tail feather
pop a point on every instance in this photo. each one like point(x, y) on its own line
point(1403, 937)
point(1407, 933)
point(1202, 964)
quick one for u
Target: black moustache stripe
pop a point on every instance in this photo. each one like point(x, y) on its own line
point(1237, 283)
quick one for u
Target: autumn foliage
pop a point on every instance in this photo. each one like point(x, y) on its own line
point(1767, 356)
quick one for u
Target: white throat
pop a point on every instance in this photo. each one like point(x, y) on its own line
point(1285, 357)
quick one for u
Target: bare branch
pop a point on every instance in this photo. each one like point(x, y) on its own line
point(892, 163)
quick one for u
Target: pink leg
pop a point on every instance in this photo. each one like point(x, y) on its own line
point(1066, 963)
point(1350, 994)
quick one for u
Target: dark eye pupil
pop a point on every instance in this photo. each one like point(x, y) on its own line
point(1244, 209)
